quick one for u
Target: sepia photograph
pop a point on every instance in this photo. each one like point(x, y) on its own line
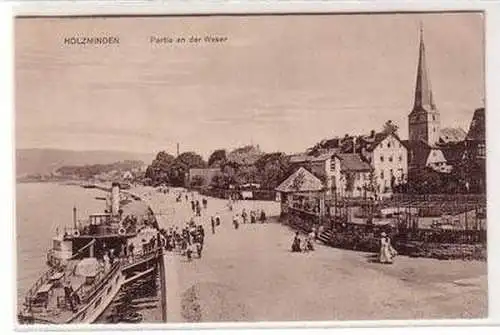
point(193, 169)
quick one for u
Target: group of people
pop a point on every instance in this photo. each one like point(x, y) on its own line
point(304, 244)
point(250, 217)
point(186, 241)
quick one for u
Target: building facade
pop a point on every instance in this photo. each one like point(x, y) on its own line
point(388, 157)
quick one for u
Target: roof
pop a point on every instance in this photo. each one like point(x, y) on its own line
point(477, 130)
point(452, 135)
point(302, 158)
point(353, 162)
point(300, 181)
point(379, 137)
point(424, 99)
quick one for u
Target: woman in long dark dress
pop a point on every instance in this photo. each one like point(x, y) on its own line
point(296, 243)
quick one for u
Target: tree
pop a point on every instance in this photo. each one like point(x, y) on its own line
point(390, 128)
point(180, 167)
point(158, 171)
point(272, 169)
point(217, 158)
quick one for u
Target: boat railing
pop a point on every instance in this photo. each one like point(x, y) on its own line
point(87, 293)
point(137, 258)
point(44, 278)
point(99, 230)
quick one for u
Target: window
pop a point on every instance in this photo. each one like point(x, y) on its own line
point(381, 174)
point(381, 158)
point(481, 150)
point(390, 158)
point(434, 118)
point(332, 164)
point(400, 158)
point(392, 173)
point(389, 144)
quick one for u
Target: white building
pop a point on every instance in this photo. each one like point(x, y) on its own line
point(388, 156)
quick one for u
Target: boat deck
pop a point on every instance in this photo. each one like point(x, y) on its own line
point(50, 301)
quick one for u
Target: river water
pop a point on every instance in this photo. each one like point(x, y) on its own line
point(43, 207)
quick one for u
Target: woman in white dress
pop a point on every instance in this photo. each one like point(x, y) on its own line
point(387, 252)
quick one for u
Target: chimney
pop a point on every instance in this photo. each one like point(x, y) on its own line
point(115, 199)
point(74, 217)
point(177, 149)
point(372, 134)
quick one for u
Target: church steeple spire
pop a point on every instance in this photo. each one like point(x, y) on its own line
point(423, 90)
point(424, 119)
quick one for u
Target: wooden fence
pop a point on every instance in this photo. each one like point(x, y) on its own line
point(268, 195)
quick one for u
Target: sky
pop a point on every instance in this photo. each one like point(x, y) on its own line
point(283, 82)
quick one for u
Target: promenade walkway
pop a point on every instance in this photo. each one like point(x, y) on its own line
point(249, 274)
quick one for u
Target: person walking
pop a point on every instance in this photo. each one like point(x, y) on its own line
point(296, 243)
point(253, 216)
point(262, 216)
point(212, 221)
point(244, 215)
point(236, 221)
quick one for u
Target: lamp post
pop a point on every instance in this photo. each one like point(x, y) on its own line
point(334, 190)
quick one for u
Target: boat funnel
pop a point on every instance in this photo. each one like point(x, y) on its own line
point(74, 217)
point(115, 199)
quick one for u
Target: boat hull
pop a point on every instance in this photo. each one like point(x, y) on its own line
point(92, 310)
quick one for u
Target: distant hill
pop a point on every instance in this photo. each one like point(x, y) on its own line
point(44, 161)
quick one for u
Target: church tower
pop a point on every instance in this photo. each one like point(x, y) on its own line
point(424, 119)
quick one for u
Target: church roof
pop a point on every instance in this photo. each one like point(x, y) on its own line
point(300, 181)
point(424, 99)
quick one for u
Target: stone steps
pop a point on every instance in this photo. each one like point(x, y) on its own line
point(325, 236)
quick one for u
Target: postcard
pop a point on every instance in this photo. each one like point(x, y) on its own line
point(193, 169)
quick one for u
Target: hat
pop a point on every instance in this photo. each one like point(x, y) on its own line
point(383, 234)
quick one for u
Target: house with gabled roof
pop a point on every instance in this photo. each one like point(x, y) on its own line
point(388, 157)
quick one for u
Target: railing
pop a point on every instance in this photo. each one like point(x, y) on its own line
point(443, 236)
point(304, 210)
point(40, 281)
point(140, 257)
point(86, 294)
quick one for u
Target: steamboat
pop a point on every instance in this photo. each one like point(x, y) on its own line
point(90, 262)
